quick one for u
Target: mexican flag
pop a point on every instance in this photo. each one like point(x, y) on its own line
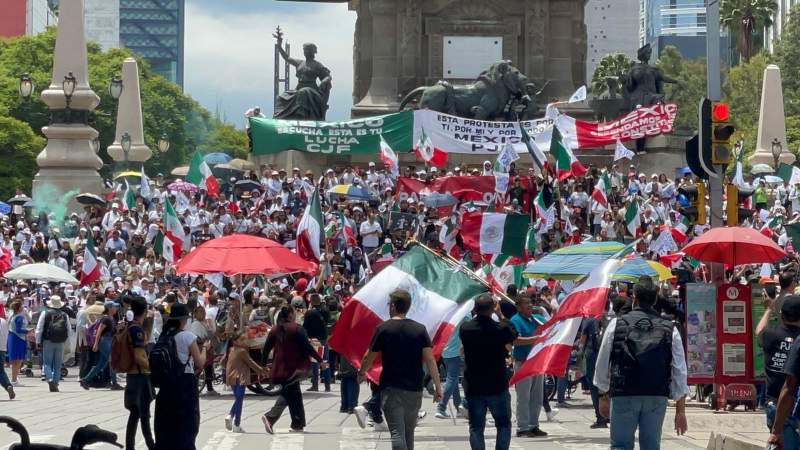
point(551, 351)
point(681, 230)
point(389, 157)
point(129, 200)
point(173, 231)
point(200, 175)
point(544, 200)
point(602, 189)
point(632, 220)
point(566, 163)
point(347, 228)
point(441, 295)
point(90, 271)
point(495, 233)
point(309, 230)
point(448, 233)
point(505, 271)
point(425, 150)
point(164, 247)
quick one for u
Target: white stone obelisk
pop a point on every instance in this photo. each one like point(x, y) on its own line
point(771, 121)
point(68, 163)
point(129, 118)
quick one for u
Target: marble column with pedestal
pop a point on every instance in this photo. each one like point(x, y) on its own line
point(771, 120)
point(129, 118)
point(68, 165)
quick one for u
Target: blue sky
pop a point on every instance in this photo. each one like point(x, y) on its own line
point(229, 51)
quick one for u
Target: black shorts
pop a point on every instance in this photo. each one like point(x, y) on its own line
point(138, 394)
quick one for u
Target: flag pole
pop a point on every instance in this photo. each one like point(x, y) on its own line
point(455, 264)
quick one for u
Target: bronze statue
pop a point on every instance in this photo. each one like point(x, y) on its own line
point(485, 99)
point(308, 101)
point(644, 84)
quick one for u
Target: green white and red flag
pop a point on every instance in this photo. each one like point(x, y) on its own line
point(90, 271)
point(602, 189)
point(441, 296)
point(632, 220)
point(309, 231)
point(129, 198)
point(567, 164)
point(173, 232)
point(489, 233)
point(426, 151)
point(551, 351)
point(200, 175)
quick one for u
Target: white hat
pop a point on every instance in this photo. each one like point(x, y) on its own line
point(115, 205)
point(371, 164)
point(55, 302)
point(434, 169)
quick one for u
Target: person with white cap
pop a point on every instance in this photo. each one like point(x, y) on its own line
point(487, 168)
point(111, 217)
point(52, 331)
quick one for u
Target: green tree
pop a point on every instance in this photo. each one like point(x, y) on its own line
point(19, 146)
point(743, 17)
point(787, 57)
point(742, 92)
point(613, 65)
point(692, 77)
point(226, 138)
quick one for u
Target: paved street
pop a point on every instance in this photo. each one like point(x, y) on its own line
point(53, 417)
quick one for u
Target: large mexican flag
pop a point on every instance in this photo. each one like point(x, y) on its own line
point(441, 296)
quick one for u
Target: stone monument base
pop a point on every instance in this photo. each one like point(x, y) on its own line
point(53, 184)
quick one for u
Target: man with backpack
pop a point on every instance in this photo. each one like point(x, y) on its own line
point(52, 331)
point(639, 365)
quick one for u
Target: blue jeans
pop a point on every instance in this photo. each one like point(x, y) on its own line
point(500, 407)
point(315, 372)
point(452, 367)
point(238, 402)
point(52, 360)
point(3, 377)
point(349, 393)
point(645, 412)
point(791, 438)
point(561, 389)
point(591, 361)
point(104, 353)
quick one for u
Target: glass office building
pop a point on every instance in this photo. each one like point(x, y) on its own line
point(154, 30)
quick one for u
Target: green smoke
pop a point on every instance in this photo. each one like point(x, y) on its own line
point(52, 201)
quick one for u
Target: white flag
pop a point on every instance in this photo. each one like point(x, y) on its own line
point(795, 176)
point(551, 112)
point(181, 202)
point(144, 186)
point(620, 152)
point(579, 95)
point(738, 178)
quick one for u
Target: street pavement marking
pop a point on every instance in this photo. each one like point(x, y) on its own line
point(222, 440)
point(284, 440)
point(35, 439)
point(428, 444)
point(357, 439)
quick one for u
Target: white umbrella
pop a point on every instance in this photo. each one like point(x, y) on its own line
point(761, 168)
point(41, 272)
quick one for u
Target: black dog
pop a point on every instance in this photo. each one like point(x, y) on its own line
point(83, 436)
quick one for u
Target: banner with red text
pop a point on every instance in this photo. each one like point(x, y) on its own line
point(461, 189)
point(642, 122)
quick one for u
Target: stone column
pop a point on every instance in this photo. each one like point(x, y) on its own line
point(68, 164)
point(129, 117)
point(771, 120)
point(381, 96)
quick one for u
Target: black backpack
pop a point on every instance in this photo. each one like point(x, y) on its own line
point(641, 356)
point(165, 366)
point(56, 326)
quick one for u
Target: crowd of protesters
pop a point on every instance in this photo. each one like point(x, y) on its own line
point(208, 317)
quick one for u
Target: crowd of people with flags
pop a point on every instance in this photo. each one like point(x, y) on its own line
point(375, 233)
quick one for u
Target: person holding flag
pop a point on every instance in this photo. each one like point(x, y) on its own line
point(530, 391)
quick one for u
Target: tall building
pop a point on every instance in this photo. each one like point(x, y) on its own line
point(25, 17)
point(682, 24)
point(154, 30)
point(773, 32)
point(101, 18)
point(612, 26)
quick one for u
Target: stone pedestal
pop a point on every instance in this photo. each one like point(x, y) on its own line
point(399, 44)
point(771, 120)
point(129, 117)
point(68, 162)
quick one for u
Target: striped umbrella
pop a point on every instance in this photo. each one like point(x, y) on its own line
point(573, 262)
point(634, 267)
point(350, 191)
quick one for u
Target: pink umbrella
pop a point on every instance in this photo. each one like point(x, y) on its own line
point(182, 186)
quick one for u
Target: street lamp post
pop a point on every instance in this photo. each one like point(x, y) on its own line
point(163, 143)
point(115, 88)
point(125, 142)
point(777, 150)
point(26, 86)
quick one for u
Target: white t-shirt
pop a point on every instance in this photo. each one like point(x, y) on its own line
point(3, 336)
point(183, 341)
point(372, 240)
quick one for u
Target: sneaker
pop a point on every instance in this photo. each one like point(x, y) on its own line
point(381, 427)
point(563, 405)
point(296, 430)
point(421, 414)
point(11, 394)
point(52, 386)
point(551, 415)
point(116, 387)
point(522, 433)
point(536, 432)
point(17, 383)
point(238, 429)
point(462, 413)
point(228, 423)
point(313, 389)
point(84, 385)
point(267, 424)
point(361, 416)
point(597, 425)
point(212, 393)
point(442, 415)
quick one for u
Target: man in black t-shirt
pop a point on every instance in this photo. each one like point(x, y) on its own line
point(778, 364)
point(315, 322)
point(485, 345)
point(138, 391)
point(404, 345)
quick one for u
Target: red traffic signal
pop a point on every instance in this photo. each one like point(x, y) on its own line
point(720, 112)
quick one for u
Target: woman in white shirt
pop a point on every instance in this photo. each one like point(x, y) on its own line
point(608, 225)
point(180, 399)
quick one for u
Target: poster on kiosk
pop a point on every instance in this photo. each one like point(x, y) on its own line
point(733, 376)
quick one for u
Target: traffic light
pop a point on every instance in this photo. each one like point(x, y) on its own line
point(696, 195)
point(736, 198)
point(721, 132)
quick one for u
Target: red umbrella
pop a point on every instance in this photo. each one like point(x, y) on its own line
point(243, 254)
point(735, 246)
